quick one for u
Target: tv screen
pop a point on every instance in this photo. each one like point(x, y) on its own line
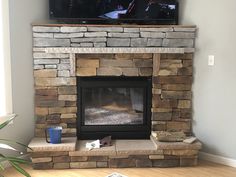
point(145, 11)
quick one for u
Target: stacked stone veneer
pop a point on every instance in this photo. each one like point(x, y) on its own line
point(55, 72)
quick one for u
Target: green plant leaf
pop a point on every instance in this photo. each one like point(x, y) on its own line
point(1, 167)
point(7, 122)
point(19, 169)
point(18, 160)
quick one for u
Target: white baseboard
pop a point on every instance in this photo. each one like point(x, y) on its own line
point(217, 159)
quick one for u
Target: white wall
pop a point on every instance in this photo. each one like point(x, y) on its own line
point(214, 89)
point(22, 14)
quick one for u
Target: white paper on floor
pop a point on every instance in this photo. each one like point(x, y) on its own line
point(116, 175)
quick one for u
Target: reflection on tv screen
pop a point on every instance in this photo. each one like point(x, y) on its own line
point(115, 9)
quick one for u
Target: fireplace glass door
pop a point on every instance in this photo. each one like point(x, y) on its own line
point(116, 106)
point(113, 106)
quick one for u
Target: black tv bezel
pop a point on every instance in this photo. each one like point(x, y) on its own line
point(174, 21)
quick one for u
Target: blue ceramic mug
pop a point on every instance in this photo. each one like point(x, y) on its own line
point(54, 135)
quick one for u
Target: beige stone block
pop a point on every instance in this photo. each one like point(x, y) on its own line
point(67, 97)
point(130, 71)
point(155, 157)
point(161, 109)
point(109, 71)
point(179, 126)
point(119, 157)
point(145, 71)
point(67, 90)
point(68, 116)
point(184, 104)
point(41, 160)
point(123, 56)
point(156, 91)
point(41, 111)
point(136, 147)
point(79, 158)
point(177, 87)
point(88, 63)
point(83, 165)
point(167, 72)
point(61, 165)
point(62, 110)
point(86, 71)
point(69, 130)
point(116, 63)
point(45, 73)
point(179, 152)
point(143, 55)
point(60, 81)
point(61, 159)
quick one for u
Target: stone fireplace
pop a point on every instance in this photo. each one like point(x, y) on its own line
point(67, 58)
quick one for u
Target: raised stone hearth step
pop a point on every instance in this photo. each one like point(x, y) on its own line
point(122, 153)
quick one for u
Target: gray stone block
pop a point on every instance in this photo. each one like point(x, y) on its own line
point(123, 35)
point(50, 66)
point(118, 42)
point(185, 29)
point(86, 44)
point(107, 29)
point(64, 67)
point(154, 42)
point(73, 29)
point(68, 35)
point(153, 34)
point(50, 55)
point(165, 116)
point(139, 42)
point(95, 34)
point(99, 44)
point(46, 61)
point(36, 67)
point(46, 42)
point(93, 39)
point(64, 73)
point(178, 43)
point(180, 35)
point(45, 29)
point(43, 35)
point(156, 29)
point(131, 30)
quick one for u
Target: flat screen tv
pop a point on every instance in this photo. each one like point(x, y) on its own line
point(115, 11)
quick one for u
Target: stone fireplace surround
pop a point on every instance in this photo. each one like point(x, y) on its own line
point(62, 52)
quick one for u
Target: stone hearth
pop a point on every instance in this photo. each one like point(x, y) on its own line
point(62, 52)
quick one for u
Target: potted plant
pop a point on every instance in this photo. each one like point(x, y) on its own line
point(9, 145)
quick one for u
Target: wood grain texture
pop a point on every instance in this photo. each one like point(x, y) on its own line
point(205, 169)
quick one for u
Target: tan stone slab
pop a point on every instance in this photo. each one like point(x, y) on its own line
point(81, 150)
point(176, 145)
point(40, 145)
point(136, 147)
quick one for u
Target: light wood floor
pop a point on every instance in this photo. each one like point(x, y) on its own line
point(205, 169)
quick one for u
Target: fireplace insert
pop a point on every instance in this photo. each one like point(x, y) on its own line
point(116, 106)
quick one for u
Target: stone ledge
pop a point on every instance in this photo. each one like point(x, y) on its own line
point(40, 145)
point(176, 145)
point(114, 50)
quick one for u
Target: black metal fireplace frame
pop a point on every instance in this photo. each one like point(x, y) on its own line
point(116, 131)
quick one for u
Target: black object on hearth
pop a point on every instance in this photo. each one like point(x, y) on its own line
point(115, 11)
point(114, 106)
